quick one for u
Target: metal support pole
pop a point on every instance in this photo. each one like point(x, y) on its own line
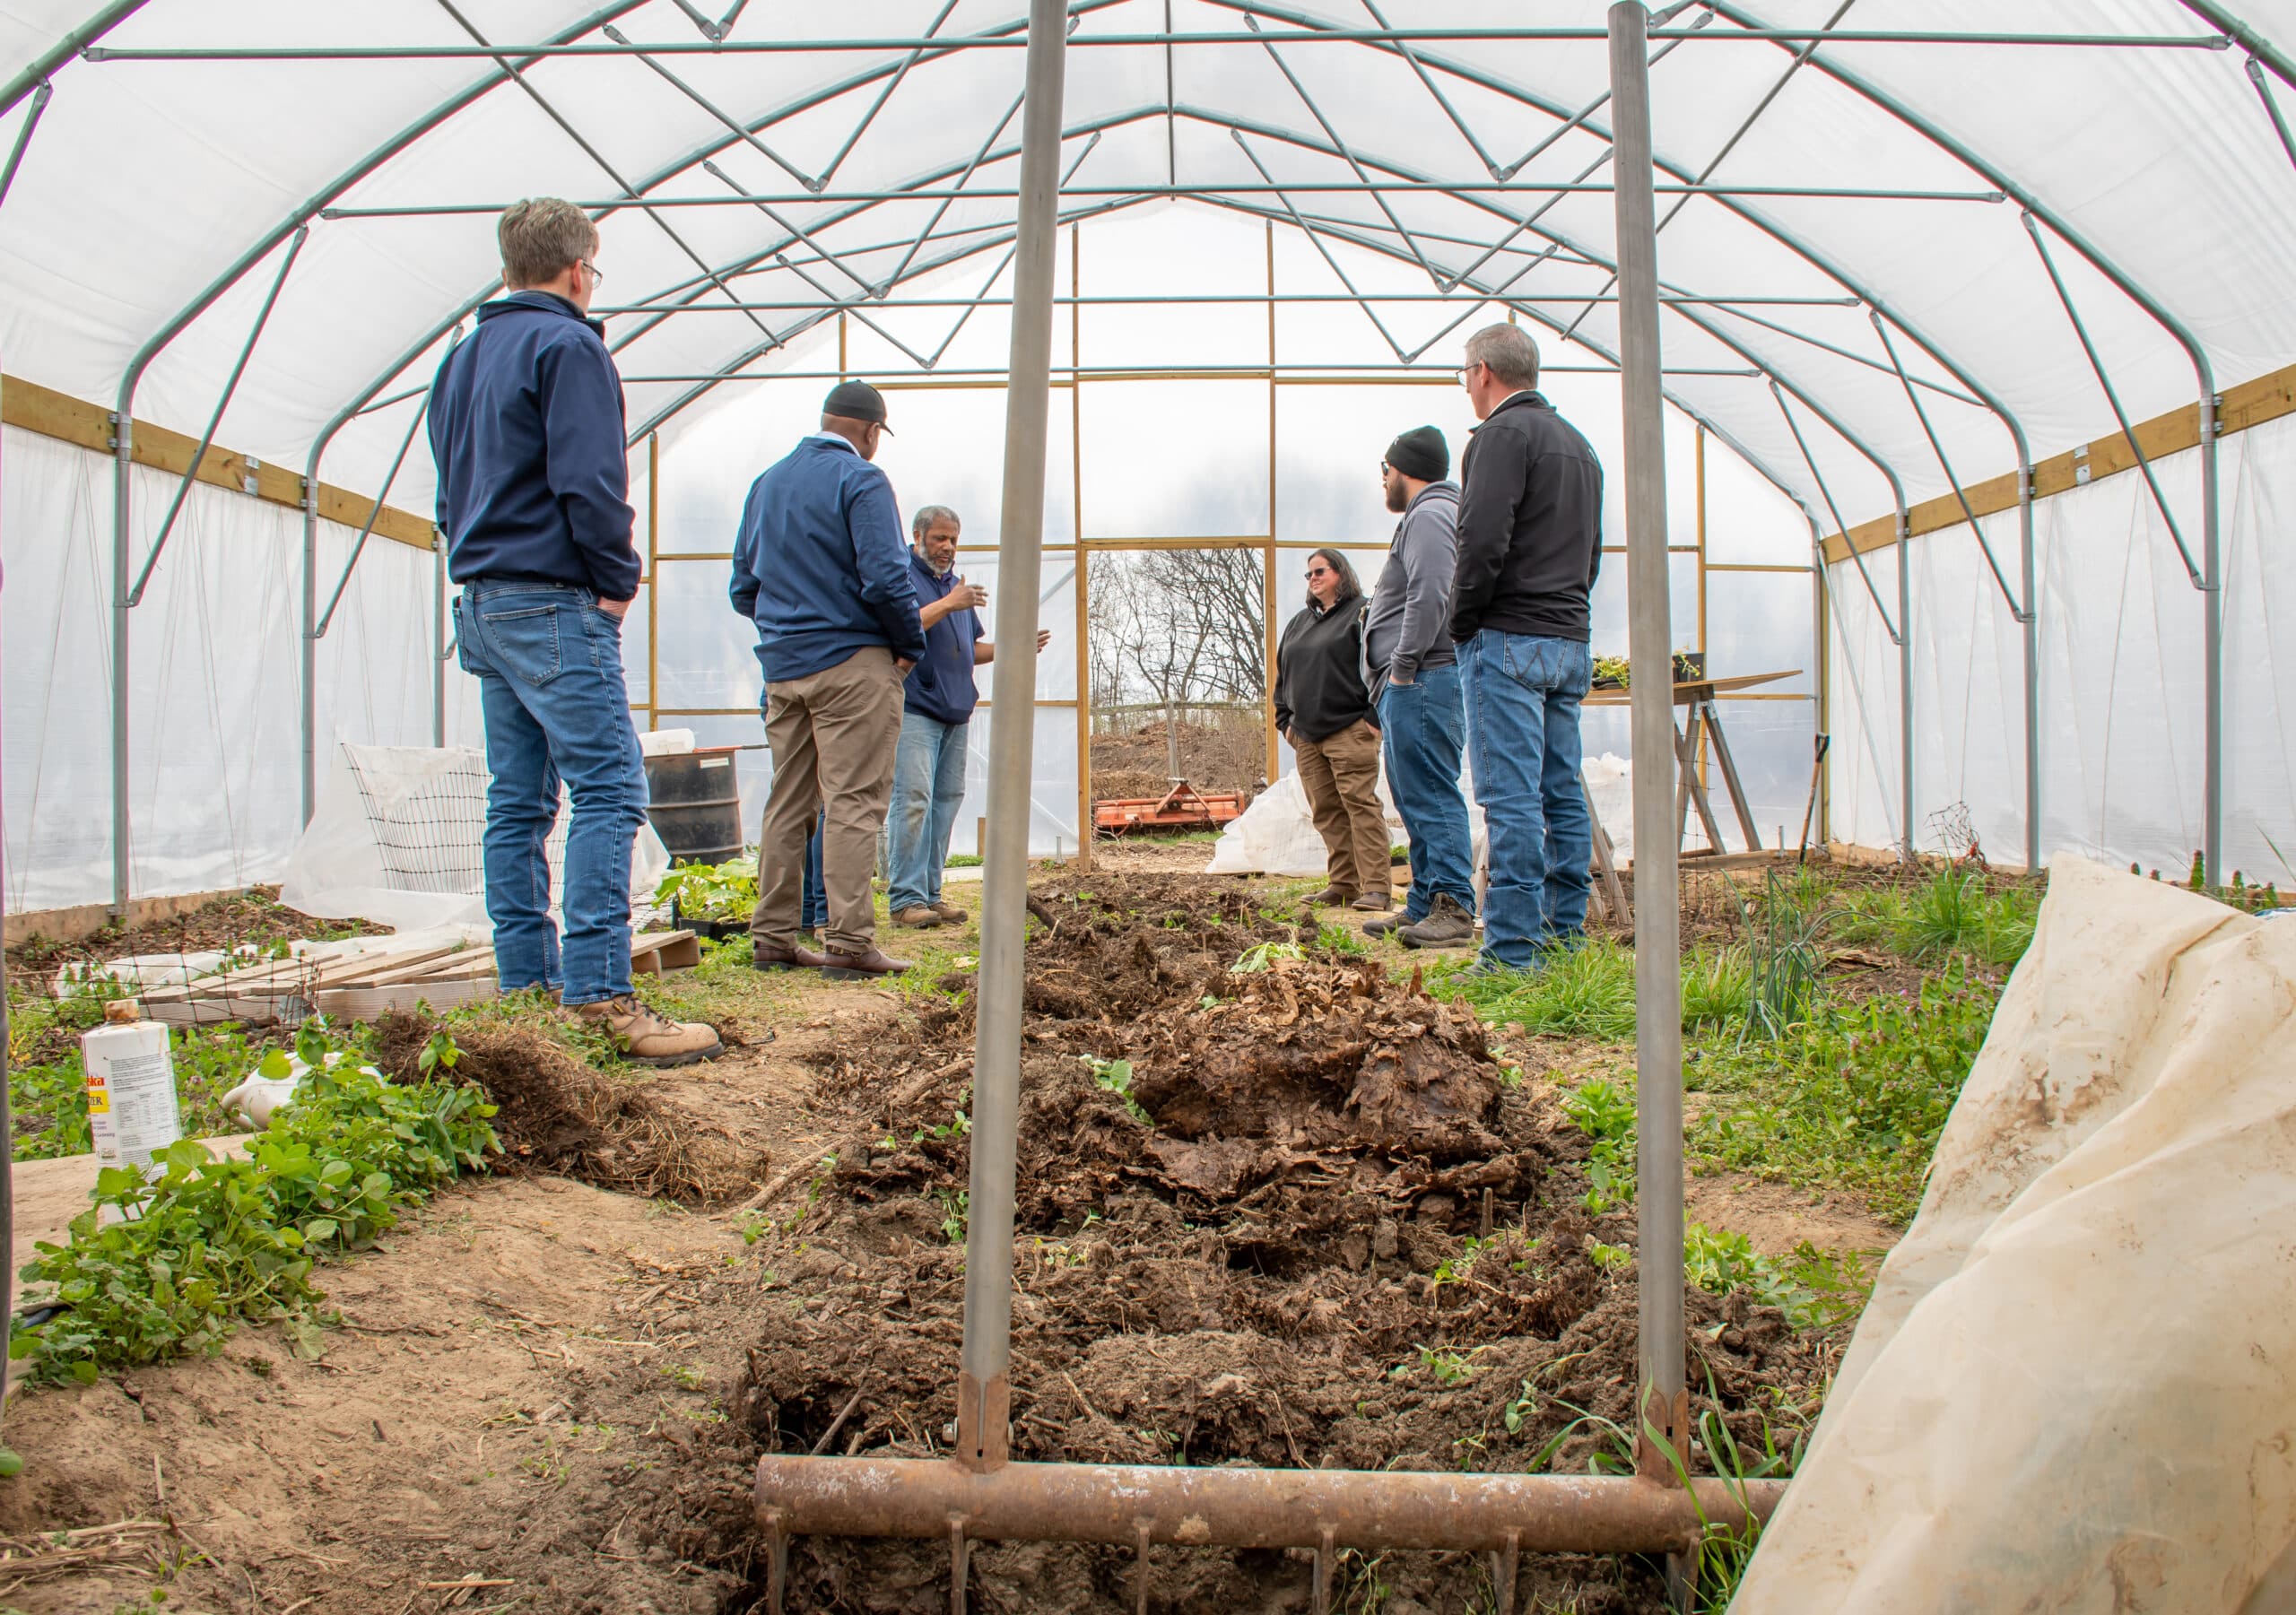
point(309, 723)
point(24, 136)
point(984, 1393)
point(1664, 1403)
point(207, 437)
point(359, 546)
point(438, 638)
point(1083, 555)
point(1269, 633)
point(122, 429)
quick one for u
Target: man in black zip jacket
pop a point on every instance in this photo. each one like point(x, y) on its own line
point(1530, 541)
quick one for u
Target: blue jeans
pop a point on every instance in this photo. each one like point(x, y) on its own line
point(549, 683)
point(1522, 704)
point(928, 787)
point(813, 911)
point(1423, 727)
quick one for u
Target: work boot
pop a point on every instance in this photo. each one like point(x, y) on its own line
point(1446, 926)
point(1331, 896)
point(950, 913)
point(647, 1038)
point(918, 918)
point(840, 966)
point(764, 956)
point(1373, 902)
point(1395, 920)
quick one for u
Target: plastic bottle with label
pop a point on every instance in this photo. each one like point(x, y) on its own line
point(133, 1110)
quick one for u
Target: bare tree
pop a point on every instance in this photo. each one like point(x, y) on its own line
point(1178, 626)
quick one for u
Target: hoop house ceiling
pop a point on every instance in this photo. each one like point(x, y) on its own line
point(748, 188)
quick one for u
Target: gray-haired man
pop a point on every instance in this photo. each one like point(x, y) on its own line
point(937, 701)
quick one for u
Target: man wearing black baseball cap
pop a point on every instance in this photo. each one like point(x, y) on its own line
point(822, 567)
point(1414, 674)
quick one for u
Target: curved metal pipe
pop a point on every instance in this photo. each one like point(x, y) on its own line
point(37, 70)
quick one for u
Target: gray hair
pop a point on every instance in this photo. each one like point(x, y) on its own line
point(542, 237)
point(1509, 353)
point(927, 515)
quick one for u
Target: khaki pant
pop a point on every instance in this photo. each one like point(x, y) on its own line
point(1341, 775)
point(833, 734)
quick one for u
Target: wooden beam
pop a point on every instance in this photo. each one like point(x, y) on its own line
point(2251, 403)
point(33, 408)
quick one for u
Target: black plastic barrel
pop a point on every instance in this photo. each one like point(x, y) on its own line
point(695, 804)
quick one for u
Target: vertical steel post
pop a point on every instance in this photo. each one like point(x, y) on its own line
point(309, 722)
point(2212, 608)
point(1084, 569)
point(123, 471)
point(438, 638)
point(653, 579)
point(1905, 853)
point(1269, 633)
point(1657, 943)
point(2029, 633)
point(984, 1393)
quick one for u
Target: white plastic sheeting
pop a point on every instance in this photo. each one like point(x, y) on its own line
point(156, 200)
point(214, 745)
point(2121, 676)
point(2006, 1432)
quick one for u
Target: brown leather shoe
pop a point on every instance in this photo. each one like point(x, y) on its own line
point(763, 957)
point(1332, 897)
point(647, 1038)
point(840, 966)
point(950, 913)
point(918, 917)
point(1373, 902)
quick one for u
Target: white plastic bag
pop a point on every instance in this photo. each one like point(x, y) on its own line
point(258, 1096)
point(2075, 1388)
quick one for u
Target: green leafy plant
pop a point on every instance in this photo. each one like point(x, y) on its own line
point(1604, 1114)
point(718, 893)
point(1263, 957)
point(205, 1244)
point(956, 1206)
point(1116, 1076)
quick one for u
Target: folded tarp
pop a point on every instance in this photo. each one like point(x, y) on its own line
point(2075, 1389)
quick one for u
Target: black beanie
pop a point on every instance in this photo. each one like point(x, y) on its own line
point(1421, 452)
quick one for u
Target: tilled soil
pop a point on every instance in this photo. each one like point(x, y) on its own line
point(1299, 1217)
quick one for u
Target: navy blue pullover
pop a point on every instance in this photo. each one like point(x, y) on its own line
point(941, 685)
point(526, 432)
point(819, 564)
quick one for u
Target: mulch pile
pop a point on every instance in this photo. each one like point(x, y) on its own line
point(556, 1113)
point(1342, 1235)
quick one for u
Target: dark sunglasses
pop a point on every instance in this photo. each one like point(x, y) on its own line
point(1320, 572)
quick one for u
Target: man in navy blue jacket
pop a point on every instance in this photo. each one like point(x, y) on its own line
point(526, 432)
point(821, 568)
point(936, 718)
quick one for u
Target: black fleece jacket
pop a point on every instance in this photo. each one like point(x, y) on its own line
point(1319, 671)
point(1530, 524)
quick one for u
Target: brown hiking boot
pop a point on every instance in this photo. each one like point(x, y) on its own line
point(1446, 926)
point(764, 956)
point(840, 966)
point(647, 1038)
point(918, 918)
point(1393, 920)
point(950, 913)
point(1332, 897)
point(1373, 902)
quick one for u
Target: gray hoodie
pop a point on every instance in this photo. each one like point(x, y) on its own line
point(1410, 623)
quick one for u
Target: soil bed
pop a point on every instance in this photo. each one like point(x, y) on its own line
point(1296, 1217)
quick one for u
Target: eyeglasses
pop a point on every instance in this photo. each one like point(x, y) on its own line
point(1461, 373)
point(1316, 572)
point(596, 274)
point(1384, 468)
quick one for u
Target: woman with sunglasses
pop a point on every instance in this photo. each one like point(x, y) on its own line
point(1323, 708)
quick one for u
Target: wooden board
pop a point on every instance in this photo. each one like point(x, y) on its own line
point(1693, 689)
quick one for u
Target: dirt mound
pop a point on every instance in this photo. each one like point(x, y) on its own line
point(558, 1113)
point(1294, 1217)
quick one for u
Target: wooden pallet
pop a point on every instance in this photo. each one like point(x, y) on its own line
point(362, 986)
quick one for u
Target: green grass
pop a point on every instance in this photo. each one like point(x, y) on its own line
point(1952, 913)
point(1854, 1098)
point(1589, 991)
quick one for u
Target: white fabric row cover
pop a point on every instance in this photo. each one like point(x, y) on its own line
point(2121, 676)
point(2070, 1390)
